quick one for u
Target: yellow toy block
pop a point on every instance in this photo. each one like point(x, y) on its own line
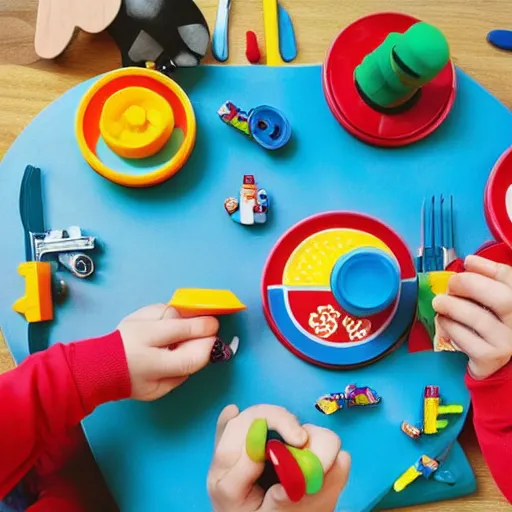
point(200, 301)
point(37, 304)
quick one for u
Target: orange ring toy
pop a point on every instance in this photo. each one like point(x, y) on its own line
point(87, 122)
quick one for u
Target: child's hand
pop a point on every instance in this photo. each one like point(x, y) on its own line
point(163, 349)
point(477, 314)
point(233, 475)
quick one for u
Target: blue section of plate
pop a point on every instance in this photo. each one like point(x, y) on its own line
point(155, 456)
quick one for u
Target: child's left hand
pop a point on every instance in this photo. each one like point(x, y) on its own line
point(477, 314)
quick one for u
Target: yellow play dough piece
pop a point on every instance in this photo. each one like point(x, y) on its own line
point(312, 261)
point(200, 301)
point(136, 122)
point(439, 281)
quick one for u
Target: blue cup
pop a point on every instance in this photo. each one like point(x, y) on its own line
point(365, 281)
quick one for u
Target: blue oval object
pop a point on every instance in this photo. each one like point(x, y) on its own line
point(365, 281)
point(269, 127)
point(501, 39)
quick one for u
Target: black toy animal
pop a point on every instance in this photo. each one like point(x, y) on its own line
point(162, 34)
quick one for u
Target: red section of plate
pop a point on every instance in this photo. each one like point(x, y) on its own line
point(305, 303)
point(495, 204)
point(362, 121)
point(287, 469)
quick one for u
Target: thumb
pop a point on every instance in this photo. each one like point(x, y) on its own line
point(276, 498)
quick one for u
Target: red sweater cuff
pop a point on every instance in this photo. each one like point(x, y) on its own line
point(100, 370)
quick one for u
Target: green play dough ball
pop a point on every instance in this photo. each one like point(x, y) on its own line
point(256, 440)
point(424, 50)
point(311, 468)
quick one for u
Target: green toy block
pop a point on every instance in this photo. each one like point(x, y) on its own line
point(393, 73)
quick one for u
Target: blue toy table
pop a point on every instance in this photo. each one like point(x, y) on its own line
point(155, 456)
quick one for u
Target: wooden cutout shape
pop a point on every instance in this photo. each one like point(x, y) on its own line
point(170, 33)
point(57, 21)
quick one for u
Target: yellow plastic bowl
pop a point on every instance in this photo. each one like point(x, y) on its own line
point(136, 122)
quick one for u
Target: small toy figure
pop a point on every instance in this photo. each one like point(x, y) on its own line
point(352, 397)
point(431, 412)
point(390, 78)
point(222, 352)
point(266, 125)
point(252, 205)
point(299, 471)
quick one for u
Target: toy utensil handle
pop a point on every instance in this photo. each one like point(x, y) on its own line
point(220, 49)
point(406, 479)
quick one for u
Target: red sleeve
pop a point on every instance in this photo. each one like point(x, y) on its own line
point(44, 399)
point(492, 416)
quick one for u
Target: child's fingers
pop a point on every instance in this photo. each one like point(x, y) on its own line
point(151, 312)
point(324, 443)
point(465, 339)
point(232, 443)
point(483, 290)
point(488, 268)
point(186, 359)
point(176, 330)
point(473, 316)
point(229, 413)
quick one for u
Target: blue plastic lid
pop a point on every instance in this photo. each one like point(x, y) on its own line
point(269, 127)
point(365, 281)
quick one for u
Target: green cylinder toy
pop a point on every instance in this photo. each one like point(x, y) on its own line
point(390, 78)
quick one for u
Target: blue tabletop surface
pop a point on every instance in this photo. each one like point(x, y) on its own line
point(155, 456)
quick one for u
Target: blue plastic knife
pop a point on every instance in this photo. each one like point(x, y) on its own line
point(220, 49)
point(287, 41)
point(32, 218)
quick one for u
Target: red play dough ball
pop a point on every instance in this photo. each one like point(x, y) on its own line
point(287, 469)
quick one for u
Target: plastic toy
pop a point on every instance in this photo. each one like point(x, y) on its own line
point(271, 24)
point(501, 39)
point(266, 125)
point(365, 281)
point(389, 93)
point(222, 352)
point(431, 412)
point(430, 285)
point(299, 471)
point(199, 301)
point(352, 397)
point(437, 233)
point(287, 42)
point(427, 467)
point(136, 122)
point(68, 245)
point(136, 125)
point(302, 308)
point(220, 45)
point(498, 199)
point(390, 78)
point(168, 33)
point(58, 20)
point(252, 51)
point(252, 205)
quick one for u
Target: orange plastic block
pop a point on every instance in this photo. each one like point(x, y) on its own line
point(37, 304)
point(199, 301)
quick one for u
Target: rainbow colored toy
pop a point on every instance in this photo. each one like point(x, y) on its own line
point(299, 471)
point(351, 397)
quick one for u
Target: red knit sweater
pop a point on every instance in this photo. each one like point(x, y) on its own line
point(42, 403)
point(44, 399)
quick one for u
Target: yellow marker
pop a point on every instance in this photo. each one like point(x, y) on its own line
point(430, 409)
point(136, 122)
point(406, 479)
point(199, 301)
point(271, 22)
point(36, 304)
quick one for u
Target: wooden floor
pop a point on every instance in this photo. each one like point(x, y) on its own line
point(27, 85)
